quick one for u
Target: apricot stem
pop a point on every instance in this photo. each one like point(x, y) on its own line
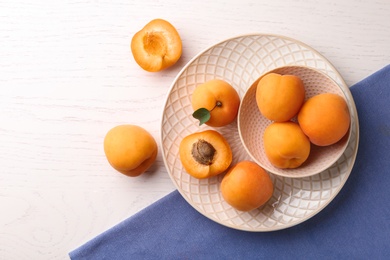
point(203, 114)
point(218, 104)
point(203, 152)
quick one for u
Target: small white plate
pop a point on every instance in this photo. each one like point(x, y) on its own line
point(252, 124)
point(240, 61)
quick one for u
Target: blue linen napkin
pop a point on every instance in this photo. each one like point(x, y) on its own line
point(355, 225)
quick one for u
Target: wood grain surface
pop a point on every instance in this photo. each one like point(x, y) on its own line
point(67, 76)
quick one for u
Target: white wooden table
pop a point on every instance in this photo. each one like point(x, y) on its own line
point(67, 76)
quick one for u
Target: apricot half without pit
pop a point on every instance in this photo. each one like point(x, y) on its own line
point(205, 154)
point(157, 46)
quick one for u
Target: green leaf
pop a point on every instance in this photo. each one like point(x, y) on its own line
point(202, 114)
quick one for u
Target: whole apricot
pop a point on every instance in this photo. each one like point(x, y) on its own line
point(325, 118)
point(205, 154)
point(279, 97)
point(246, 186)
point(156, 46)
point(130, 149)
point(219, 100)
point(285, 145)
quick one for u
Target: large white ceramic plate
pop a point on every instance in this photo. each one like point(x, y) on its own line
point(240, 61)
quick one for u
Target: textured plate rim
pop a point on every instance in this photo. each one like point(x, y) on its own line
point(345, 88)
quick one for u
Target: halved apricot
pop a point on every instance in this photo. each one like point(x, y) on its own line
point(205, 154)
point(157, 46)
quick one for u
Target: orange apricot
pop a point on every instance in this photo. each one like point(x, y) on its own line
point(246, 186)
point(156, 46)
point(285, 145)
point(130, 149)
point(218, 99)
point(279, 97)
point(324, 118)
point(205, 154)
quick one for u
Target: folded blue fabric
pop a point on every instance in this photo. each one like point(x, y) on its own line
point(355, 225)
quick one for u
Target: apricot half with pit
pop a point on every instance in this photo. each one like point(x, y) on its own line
point(157, 46)
point(205, 154)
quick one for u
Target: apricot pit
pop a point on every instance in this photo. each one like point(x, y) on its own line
point(203, 152)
